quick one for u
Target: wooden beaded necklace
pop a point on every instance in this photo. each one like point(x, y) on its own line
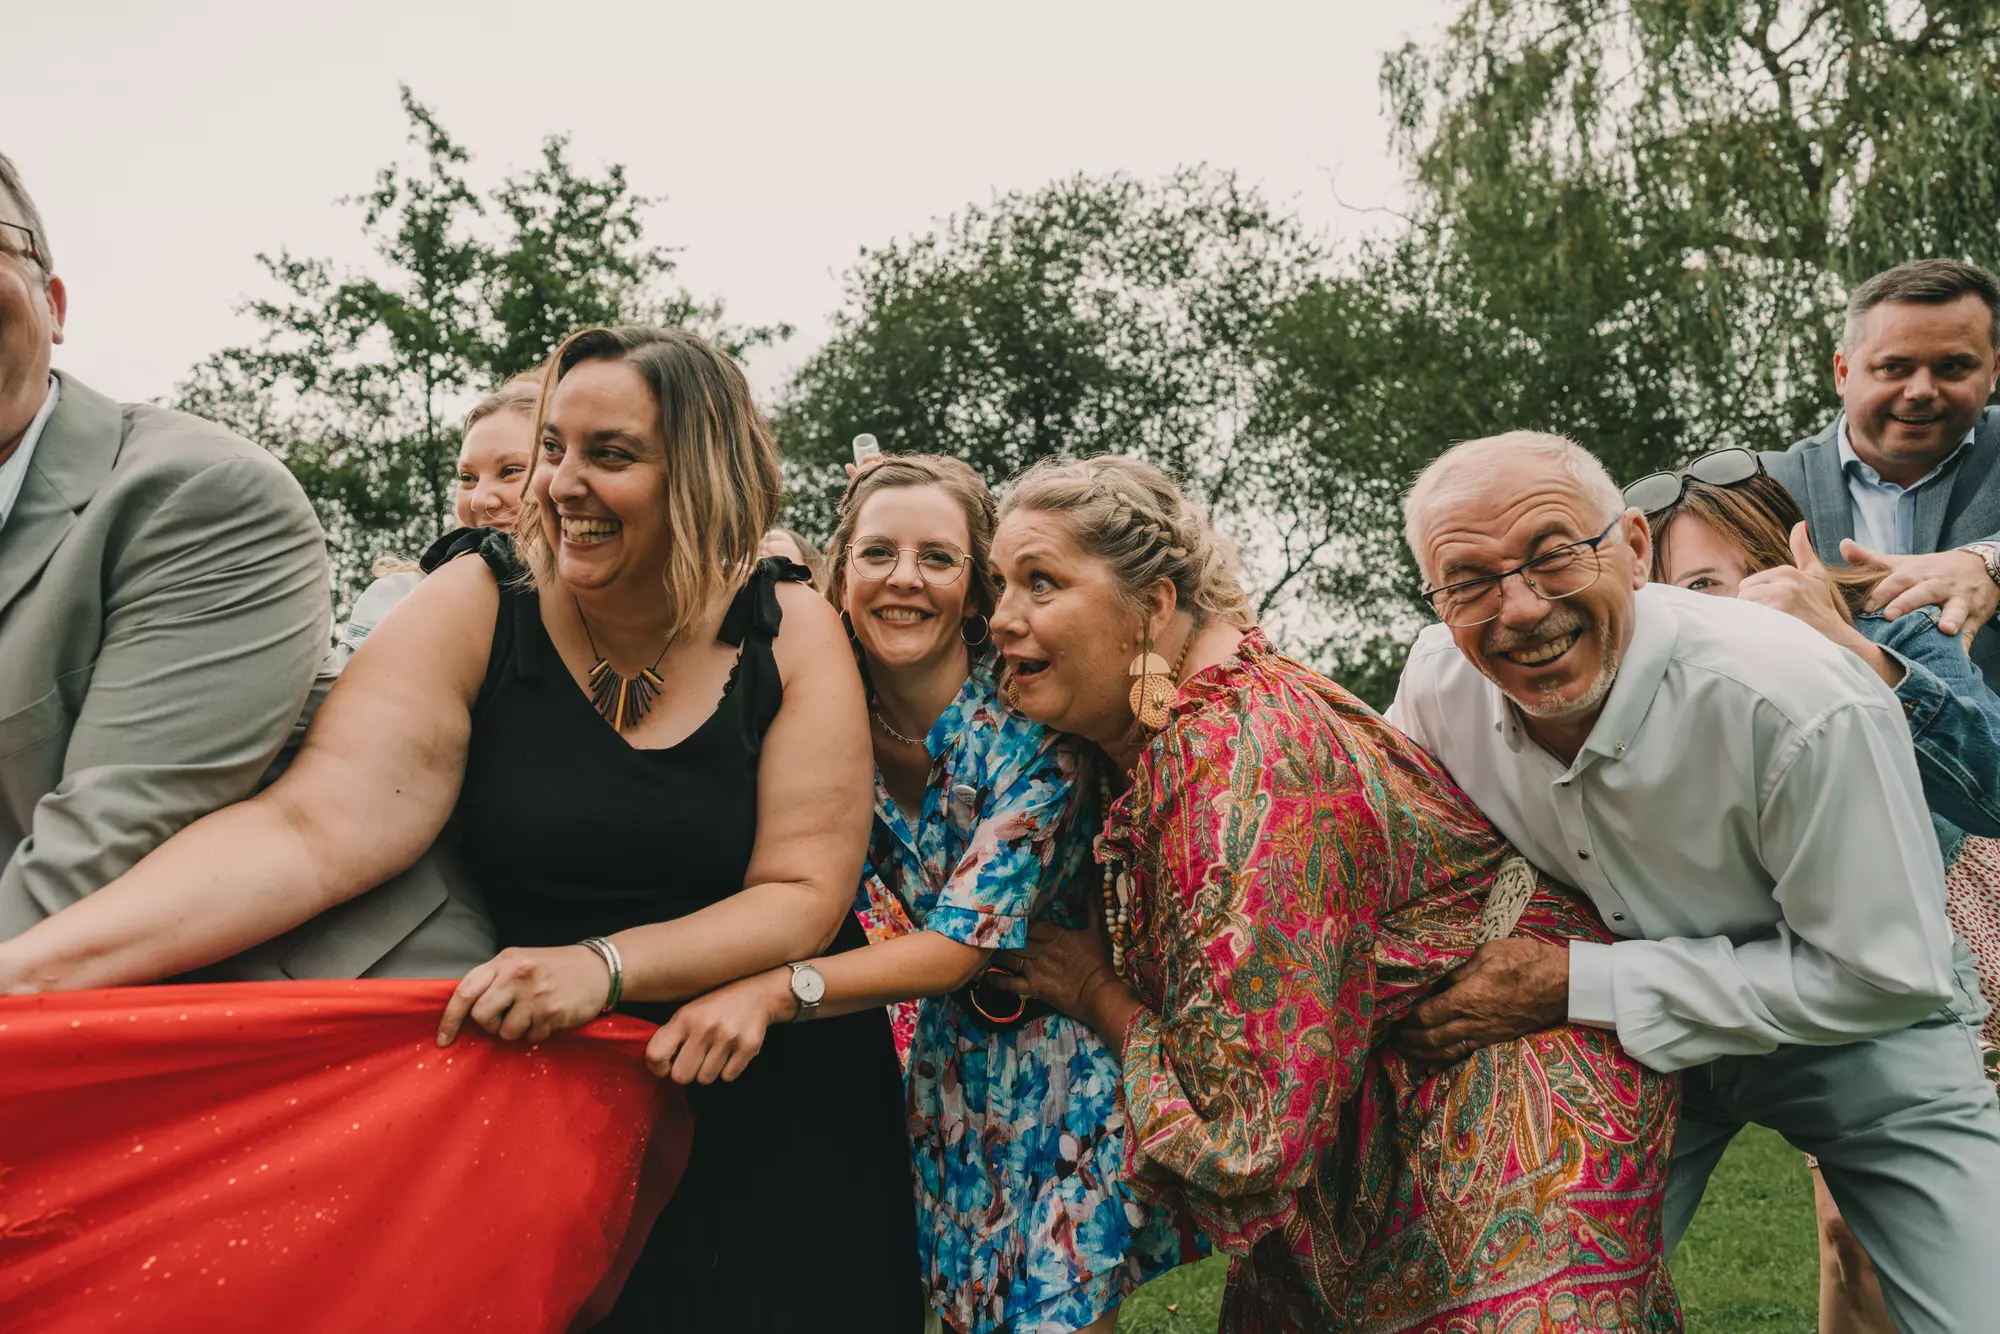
point(1116, 890)
point(1116, 882)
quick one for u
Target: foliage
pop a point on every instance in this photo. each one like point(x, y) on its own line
point(357, 380)
point(1653, 210)
point(1632, 222)
point(1092, 316)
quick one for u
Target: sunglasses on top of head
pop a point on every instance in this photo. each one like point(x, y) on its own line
point(1719, 467)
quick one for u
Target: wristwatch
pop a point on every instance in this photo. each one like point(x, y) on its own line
point(808, 987)
point(1988, 552)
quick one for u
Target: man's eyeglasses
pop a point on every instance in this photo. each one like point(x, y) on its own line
point(1561, 573)
point(938, 562)
point(1719, 467)
point(16, 239)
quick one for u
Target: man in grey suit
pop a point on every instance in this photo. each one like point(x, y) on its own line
point(1908, 472)
point(164, 614)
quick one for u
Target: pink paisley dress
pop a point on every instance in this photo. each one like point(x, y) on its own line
point(1301, 874)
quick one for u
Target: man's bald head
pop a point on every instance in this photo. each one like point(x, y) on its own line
point(1477, 467)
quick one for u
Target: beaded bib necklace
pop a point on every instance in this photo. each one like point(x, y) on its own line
point(621, 700)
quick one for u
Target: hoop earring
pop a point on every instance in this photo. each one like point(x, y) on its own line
point(1152, 688)
point(972, 640)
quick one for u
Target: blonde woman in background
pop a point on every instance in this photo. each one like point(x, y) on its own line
point(792, 545)
point(493, 461)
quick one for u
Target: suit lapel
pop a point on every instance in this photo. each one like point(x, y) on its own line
point(1972, 508)
point(75, 454)
point(1829, 509)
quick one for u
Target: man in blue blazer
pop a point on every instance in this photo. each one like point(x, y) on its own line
point(1908, 472)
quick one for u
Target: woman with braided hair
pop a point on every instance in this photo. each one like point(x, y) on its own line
point(1283, 876)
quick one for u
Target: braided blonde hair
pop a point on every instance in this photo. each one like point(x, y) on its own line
point(1132, 516)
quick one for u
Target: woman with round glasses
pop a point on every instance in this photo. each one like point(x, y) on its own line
point(983, 824)
point(1724, 527)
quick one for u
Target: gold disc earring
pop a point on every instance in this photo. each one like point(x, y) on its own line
point(1152, 688)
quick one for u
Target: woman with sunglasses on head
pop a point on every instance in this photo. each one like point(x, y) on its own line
point(1723, 526)
point(983, 823)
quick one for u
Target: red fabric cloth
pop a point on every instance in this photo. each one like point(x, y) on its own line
point(304, 1157)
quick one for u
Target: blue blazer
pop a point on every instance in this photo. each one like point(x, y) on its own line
point(1962, 506)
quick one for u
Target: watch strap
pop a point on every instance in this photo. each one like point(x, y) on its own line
point(805, 1006)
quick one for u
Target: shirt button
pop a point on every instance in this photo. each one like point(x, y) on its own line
point(1581, 853)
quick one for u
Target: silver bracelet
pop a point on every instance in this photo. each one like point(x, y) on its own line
point(608, 952)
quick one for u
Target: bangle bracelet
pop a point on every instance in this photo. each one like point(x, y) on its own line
point(608, 952)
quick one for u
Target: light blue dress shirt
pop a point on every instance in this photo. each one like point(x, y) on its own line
point(1885, 515)
point(1747, 816)
point(14, 472)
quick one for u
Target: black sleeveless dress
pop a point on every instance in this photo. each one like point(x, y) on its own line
point(796, 1211)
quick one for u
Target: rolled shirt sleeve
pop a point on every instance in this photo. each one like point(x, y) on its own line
point(1863, 947)
point(1010, 862)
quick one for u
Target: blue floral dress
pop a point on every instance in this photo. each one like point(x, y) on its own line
point(1018, 1136)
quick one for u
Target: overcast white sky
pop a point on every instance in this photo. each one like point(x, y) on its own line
point(168, 143)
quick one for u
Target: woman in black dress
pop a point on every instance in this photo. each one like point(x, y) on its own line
point(648, 743)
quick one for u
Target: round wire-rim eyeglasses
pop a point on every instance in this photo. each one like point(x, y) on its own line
point(938, 563)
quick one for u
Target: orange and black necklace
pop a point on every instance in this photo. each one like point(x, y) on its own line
point(621, 700)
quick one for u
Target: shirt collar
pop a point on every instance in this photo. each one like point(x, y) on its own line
point(14, 472)
point(1640, 672)
point(1852, 465)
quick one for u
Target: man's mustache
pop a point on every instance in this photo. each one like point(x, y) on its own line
point(1560, 621)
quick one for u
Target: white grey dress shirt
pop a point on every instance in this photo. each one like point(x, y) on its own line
point(1746, 815)
point(14, 472)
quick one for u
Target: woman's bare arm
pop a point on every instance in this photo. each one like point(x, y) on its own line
point(373, 784)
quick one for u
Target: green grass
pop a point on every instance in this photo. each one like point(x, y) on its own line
point(1748, 1265)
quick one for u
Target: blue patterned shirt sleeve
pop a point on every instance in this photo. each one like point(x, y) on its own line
point(1954, 720)
point(1014, 830)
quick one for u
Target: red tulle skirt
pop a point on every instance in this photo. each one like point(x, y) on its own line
point(304, 1157)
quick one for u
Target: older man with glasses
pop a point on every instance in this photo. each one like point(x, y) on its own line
point(164, 616)
point(1740, 799)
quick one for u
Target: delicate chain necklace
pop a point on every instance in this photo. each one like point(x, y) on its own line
point(908, 741)
point(621, 700)
point(1116, 889)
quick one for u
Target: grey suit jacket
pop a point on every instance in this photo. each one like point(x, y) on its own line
point(1961, 507)
point(163, 622)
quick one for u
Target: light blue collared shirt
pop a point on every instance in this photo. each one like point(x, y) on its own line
point(14, 472)
point(1747, 815)
point(1885, 515)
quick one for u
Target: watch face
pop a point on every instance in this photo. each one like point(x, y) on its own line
point(808, 985)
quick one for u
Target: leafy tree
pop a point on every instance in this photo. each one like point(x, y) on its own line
point(1634, 222)
point(358, 380)
point(1091, 316)
point(1656, 208)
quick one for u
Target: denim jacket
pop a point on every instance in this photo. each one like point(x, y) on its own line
point(1954, 721)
